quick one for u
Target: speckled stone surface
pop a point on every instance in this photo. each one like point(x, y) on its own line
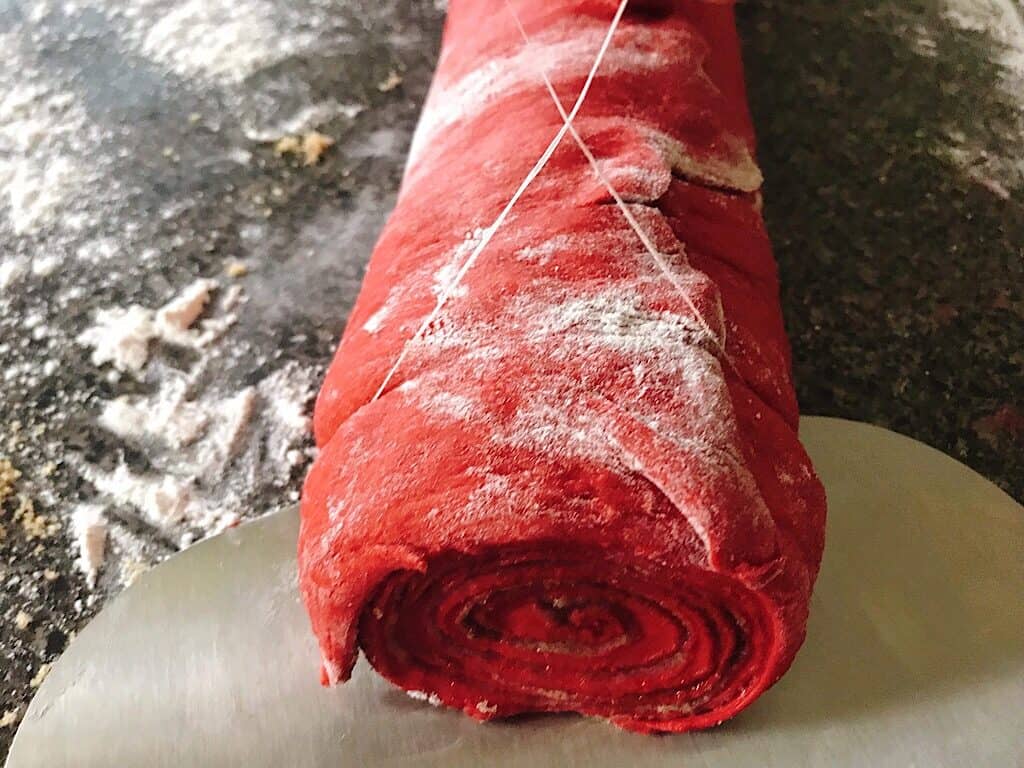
point(902, 261)
point(902, 273)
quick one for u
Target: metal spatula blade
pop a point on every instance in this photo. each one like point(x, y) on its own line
point(915, 653)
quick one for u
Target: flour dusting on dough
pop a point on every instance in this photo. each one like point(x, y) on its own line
point(568, 52)
point(376, 321)
point(89, 526)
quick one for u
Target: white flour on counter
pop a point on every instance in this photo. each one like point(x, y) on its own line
point(218, 38)
point(1002, 21)
point(240, 46)
point(57, 147)
point(12, 271)
point(209, 455)
point(302, 121)
point(989, 151)
point(162, 500)
point(42, 129)
point(121, 336)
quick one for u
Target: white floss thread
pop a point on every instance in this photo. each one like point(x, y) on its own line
point(490, 231)
point(656, 255)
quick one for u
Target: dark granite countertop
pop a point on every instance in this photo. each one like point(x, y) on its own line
point(890, 140)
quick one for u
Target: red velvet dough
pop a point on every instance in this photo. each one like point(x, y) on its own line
point(582, 489)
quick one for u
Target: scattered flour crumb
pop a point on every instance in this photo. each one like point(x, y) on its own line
point(235, 268)
point(392, 81)
point(162, 500)
point(44, 266)
point(98, 250)
point(10, 717)
point(131, 569)
point(167, 416)
point(287, 145)
point(286, 392)
point(311, 146)
point(8, 477)
point(486, 708)
point(123, 418)
point(89, 526)
point(220, 40)
point(314, 144)
point(12, 271)
point(35, 526)
point(431, 698)
point(40, 676)
point(174, 319)
point(120, 337)
point(236, 413)
point(22, 620)
point(233, 296)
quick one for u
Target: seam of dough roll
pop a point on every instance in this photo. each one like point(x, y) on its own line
point(582, 490)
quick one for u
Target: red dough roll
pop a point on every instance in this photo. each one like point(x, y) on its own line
point(581, 489)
